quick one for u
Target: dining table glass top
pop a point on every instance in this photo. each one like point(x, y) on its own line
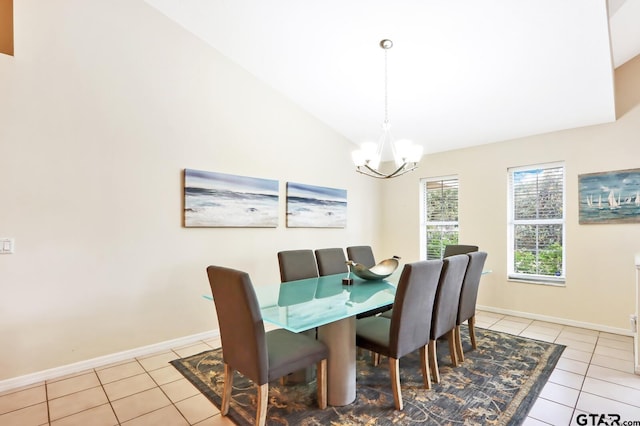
point(313, 302)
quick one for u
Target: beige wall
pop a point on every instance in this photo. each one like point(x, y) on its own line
point(103, 106)
point(600, 285)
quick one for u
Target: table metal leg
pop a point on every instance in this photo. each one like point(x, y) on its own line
point(340, 337)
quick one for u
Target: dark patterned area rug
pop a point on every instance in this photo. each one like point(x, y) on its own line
point(496, 385)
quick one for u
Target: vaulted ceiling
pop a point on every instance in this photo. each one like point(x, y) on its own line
point(461, 72)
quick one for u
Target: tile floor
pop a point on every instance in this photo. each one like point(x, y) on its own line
point(594, 375)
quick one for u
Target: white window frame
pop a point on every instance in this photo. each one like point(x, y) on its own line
point(511, 223)
point(423, 213)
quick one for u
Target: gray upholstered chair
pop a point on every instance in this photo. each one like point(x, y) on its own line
point(445, 309)
point(362, 255)
point(454, 249)
point(409, 327)
point(468, 298)
point(246, 348)
point(331, 261)
point(297, 265)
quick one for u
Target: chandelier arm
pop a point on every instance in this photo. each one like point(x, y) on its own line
point(368, 171)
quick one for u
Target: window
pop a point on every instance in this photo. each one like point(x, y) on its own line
point(536, 223)
point(439, 215)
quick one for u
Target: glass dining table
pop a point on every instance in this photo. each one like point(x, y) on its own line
point(332, 307)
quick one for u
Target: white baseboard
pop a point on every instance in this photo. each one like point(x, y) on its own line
point(64, 370)
point(563, 321)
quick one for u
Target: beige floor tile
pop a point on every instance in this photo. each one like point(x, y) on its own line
point(580, 337)
point(129, 386)
point(560, 394)
point(21, 388)
point(537, 336)
point(192, 350)
point(179, 390)
point(520, 320)
point(505, 329)
point(217, 420)
point(76, 402)
point(197, 408)
point(577, 355)
point(594, 404)
point(98, 416)
point(581, 330)
point(613, 391)
point(34, 415)
point(616, 344)
point(165, 375)
point(72, 385)
point(22, 398)
point(572, 366)
point(533, 422)
point(614, 376)
point(575, 344)
point(614, 353)
point(547, 324)
point(615, 363)
point(139, 404)
point(167, 416)
point(551, 412)
point(619, 337)
point(214, 343)
point(157, 361)
point(543, 330)
point(121, 371)
point(566, 378)
point(70, 376)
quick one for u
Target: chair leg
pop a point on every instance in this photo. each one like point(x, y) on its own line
point(394, 370)
point(321, 383)
point(375, 359)
point(226, 390)
point(451, 338)
point(472, 331)
point(459, 345)
point(263, 400)
point(433, 361)
point(424, 363)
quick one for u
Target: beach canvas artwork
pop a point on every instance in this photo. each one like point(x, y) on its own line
point(221, 200)
point(311, 206)
point(610, 197)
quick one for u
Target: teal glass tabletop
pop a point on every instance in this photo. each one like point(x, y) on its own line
point(313, 302)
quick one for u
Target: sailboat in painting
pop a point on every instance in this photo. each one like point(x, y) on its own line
point(613, 203)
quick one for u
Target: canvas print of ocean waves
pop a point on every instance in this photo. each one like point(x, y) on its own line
point(311, 206)
point(222, 200)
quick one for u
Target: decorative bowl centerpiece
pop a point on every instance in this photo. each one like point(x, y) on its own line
point(378, 272)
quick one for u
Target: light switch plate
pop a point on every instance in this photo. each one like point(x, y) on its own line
point(7, 245)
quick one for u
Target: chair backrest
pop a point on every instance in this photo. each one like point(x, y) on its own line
point(242, 333)
point(362, 255)
point(445, 310)
point(297, 265)
point(454, 249)
point(413, 306)
point(331, 261)
point(469, 292)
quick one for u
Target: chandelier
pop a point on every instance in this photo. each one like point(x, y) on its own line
point(406, 154)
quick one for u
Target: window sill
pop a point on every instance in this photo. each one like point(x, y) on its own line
point(538, 281)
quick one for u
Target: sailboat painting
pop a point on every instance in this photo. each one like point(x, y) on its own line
point(221, 200)
point(610, 197)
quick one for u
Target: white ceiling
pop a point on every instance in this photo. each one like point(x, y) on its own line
point(461, 72)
